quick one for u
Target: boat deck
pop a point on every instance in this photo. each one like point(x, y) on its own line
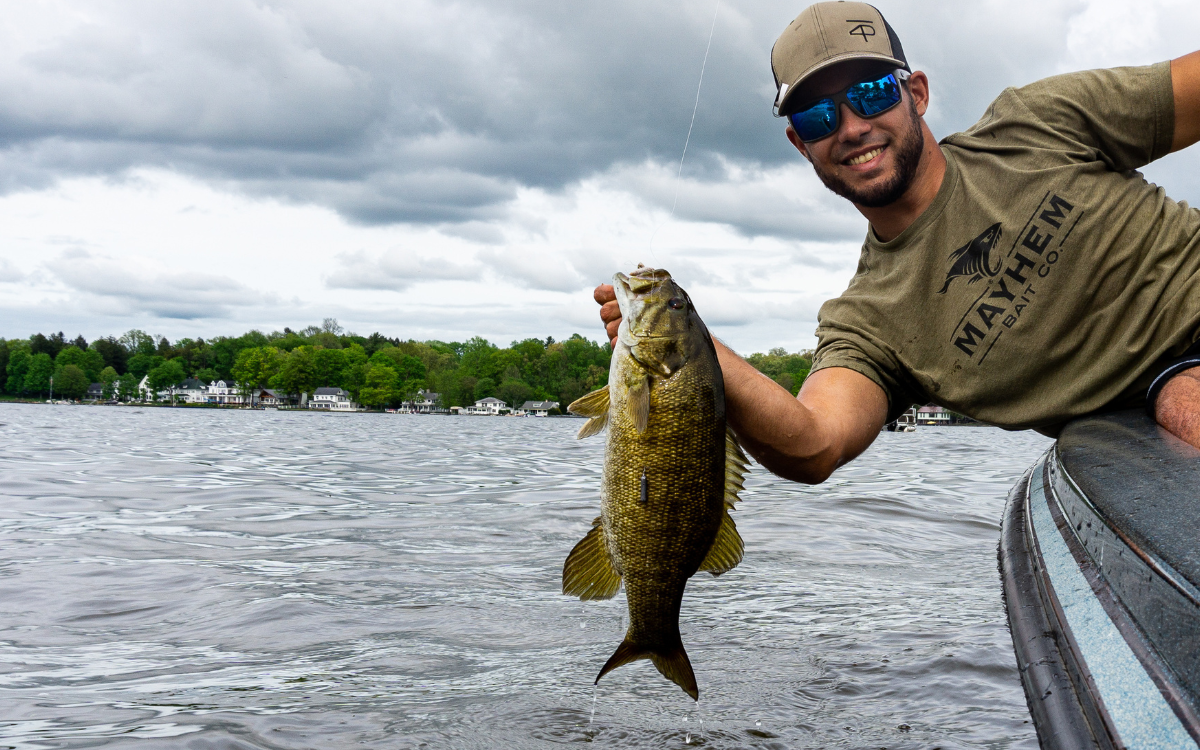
point(1100, 559)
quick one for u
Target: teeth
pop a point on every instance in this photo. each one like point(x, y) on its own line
point(866, 157)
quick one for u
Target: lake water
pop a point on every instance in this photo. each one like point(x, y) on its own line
point(229, 579)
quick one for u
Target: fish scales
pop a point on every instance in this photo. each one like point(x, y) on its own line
point(671, 473)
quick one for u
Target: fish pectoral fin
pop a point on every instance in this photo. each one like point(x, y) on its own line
point(594, 404)
point(726, 550)
point(639, 404)
point(737, 466)
point(673, 663)
point(588, 572)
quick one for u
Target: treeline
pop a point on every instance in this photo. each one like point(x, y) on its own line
point(376, 370)
point(789, 370)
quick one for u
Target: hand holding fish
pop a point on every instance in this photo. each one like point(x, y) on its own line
point(610, 311)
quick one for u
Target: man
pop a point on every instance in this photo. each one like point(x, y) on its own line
point(1020, 272)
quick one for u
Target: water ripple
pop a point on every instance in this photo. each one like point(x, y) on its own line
point(237, 579)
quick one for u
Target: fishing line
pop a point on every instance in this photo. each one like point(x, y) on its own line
point(696, 106)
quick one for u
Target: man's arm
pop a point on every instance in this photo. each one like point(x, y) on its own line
point(836, 416)
point(1185, 82)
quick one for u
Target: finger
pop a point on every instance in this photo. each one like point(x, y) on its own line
point(605, 293)
point(611, 329)
point(609, 312)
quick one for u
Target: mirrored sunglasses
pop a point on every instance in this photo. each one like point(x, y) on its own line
point(820, 119)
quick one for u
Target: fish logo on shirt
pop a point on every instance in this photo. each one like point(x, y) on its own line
point(974, 259)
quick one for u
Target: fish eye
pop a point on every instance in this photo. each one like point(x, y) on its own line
point(675, 303)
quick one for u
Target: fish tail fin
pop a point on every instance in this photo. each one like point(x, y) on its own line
point(672, 662)
point(676, 667)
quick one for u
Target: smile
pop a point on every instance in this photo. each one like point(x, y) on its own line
point(864, 158)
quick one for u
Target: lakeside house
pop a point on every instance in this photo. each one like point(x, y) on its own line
point(220, 392)
point(332, 399)
point(931, 414)
point(425, 402)
point(95, 391)
point(490, 406)
point(537, 408)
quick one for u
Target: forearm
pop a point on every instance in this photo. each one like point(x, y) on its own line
point(800, 441)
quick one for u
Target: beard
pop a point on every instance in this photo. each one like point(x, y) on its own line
point(908, 156)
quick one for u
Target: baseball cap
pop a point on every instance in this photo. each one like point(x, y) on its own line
point(826, 34)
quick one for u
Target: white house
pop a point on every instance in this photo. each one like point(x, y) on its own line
point(489, 406)
point(538, 408)
point(932, 414)
point(426, 402)
point(332, 399)
point(220, 392)
point(191, 391)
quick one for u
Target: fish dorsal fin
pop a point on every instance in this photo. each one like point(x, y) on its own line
point(727, 548)
point(594, 405)
point(737, 466)
point(639, 404)
point(588, 572)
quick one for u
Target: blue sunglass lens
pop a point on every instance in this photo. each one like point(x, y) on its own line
point(816, 121)
point(869, 98)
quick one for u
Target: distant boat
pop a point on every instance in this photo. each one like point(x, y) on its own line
point(1100, 561)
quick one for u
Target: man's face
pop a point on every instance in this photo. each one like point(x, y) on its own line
point(871, 162)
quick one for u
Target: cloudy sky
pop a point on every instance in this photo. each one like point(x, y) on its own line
point(447, 169)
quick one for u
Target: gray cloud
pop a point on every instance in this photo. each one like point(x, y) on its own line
point(112, 288)
point(438, 113)
point(397, 270)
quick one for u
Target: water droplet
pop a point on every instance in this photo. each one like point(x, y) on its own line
point(688, 739)
point(758, 723)
point(595, 688)
point(582, 626)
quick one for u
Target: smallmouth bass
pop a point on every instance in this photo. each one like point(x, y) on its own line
point(672, 471)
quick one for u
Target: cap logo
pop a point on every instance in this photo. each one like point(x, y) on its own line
point(863, 29)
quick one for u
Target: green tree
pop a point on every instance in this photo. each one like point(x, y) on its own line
point(379, 386)
point(141, 364)
point(165, 377)
point(127, 388)
point(255, 367)
point(114, 354)
point(485, 387)
point(4, 354)
point(89, 361)
point(354, 369)
point(37, 378)
point(328, 364)
point(109, 376)
point(298, 373)
point(17, 368)
point(71, 382)
point(514, 393)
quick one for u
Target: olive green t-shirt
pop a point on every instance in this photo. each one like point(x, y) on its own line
point(1047, 277)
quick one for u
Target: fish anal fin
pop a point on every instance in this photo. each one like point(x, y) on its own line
point(594, 404)
point(639, 404)
point(588, 572)
point(726, 550)
point(673, 663)
point(593, 426)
